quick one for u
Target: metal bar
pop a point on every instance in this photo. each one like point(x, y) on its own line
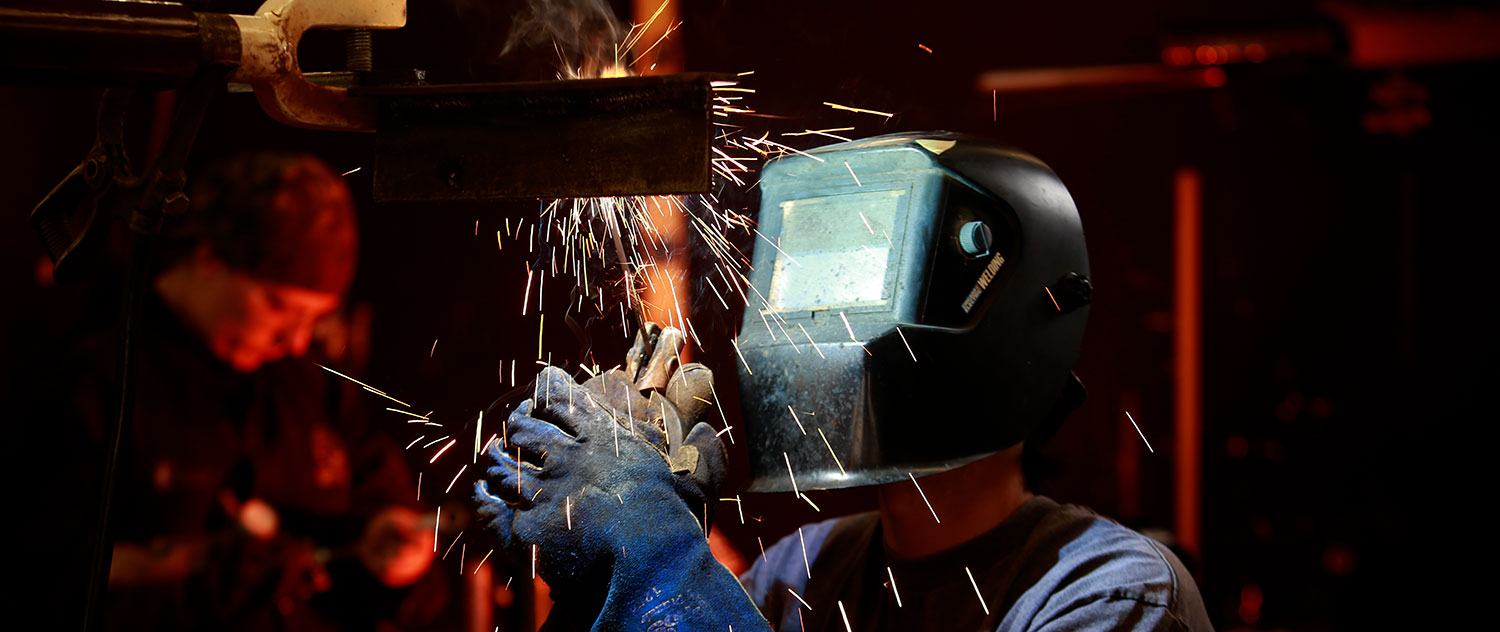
point(112, 43)
point(551, 139)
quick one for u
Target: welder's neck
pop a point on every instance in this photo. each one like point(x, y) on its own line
point(969, 501)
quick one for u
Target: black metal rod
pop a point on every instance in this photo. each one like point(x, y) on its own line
point(162, 181)
point(136, 275)
point(111, 43)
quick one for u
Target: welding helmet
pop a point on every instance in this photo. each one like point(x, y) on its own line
point(918, 304)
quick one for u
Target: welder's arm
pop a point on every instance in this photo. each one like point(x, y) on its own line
point(613, 520)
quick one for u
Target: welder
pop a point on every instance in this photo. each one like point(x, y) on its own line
point(252, 503)
point(943, 283)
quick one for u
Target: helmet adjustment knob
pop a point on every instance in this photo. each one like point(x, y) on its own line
point(974, 239)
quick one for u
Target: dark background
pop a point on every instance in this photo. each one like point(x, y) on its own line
point(1346, 346)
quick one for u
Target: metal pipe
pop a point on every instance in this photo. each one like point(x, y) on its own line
point(112, 43)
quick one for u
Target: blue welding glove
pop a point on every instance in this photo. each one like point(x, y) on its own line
point(589, 491)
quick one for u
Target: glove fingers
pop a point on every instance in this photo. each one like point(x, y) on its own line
point(534, 436)
point(506, 471)
point(563, 403)
point(618, 391)
point(691, 391)
point(712, 462)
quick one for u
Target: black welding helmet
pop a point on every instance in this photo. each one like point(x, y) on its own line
point(918, 303)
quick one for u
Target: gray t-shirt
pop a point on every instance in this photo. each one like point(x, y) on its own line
point(1046, 567)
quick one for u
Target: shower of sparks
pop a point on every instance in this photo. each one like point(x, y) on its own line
point(434, 348)
point(740, 506)
point(856, 182)
point(895, 592)
point(481, 563)
point(924, 47)
point(436, 522)
point(419, 486)
point(440, 452)
point(526, 298)
point(350, 171)
point(407, 412)
point(908, 345)
point(450, 546)
point(831, 452)
point(823, 132)
point(462, 551)
point(414, 441)
point(366, 386)
point(1138, 431)
point(924, 498)
point(810, 502)
point(793, 476)
point(568, 509)
point(1054, 298)
point(455, 478)
point(478, 425)
point(434, 442)
point(533, 560)
point(975, 584)
point(858, 110)
point(778, 248)
point(799, 598)
point(797, 419)
point(810, 341)
point(847, 327)
point(807, 565)
point(847, 627)
point(742, 356)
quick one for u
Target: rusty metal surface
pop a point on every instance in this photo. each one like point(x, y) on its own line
point(269, 59)
point(582, 138)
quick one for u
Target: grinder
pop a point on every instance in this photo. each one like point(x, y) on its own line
point(920, 302)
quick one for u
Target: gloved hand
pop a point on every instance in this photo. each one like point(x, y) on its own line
point(587, 488)
point(669, 423)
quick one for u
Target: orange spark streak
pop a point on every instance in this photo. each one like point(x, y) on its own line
point(859, 110)
point(450, 546)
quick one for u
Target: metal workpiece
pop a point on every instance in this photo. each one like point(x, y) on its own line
point(891, 341)
point(545, 139)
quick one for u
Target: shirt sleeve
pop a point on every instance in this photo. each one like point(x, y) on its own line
point(784, 567)
point(1112, 578)
point(1114, 612)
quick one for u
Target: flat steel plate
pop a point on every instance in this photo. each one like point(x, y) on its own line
point(550, 139)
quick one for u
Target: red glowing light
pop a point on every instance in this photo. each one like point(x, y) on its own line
point(1177, 56)
point(1255, 53)
point(1250, 600)
point(1214, 77)
point(1207, 55)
